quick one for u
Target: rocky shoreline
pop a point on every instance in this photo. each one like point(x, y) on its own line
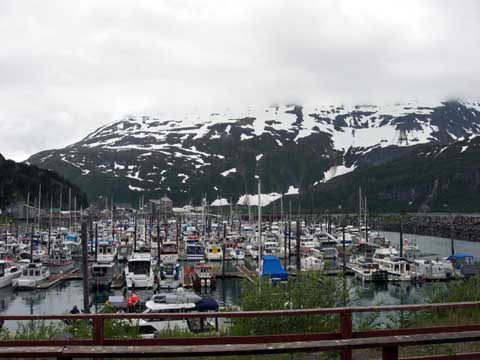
point(461, 227)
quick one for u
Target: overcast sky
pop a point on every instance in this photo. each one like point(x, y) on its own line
point(68, 67)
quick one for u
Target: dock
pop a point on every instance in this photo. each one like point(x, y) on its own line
point(73, 274)
point(250, 275)
point(118, 281)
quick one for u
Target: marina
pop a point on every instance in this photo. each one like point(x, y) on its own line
point(228, 274)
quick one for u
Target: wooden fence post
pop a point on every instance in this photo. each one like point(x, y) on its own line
point(390, 353)
point(346, 329)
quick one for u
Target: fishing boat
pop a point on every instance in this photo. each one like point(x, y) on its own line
point(139, 271)
point(214, 252)
point(203, 277)
point(102, 275)
point(194, 250)
point(8, 272)
point(367, 271)
point(169, 252)
point(60, 260)
point(106, 252)
point(31, 276)
point(124, 251)
point(170, 269)
point(72, 241)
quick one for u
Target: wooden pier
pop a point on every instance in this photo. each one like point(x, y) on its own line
point(247, 273)
point(118, 281)
point(55, 279)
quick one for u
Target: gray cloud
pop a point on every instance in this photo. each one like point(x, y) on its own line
point(68, 67)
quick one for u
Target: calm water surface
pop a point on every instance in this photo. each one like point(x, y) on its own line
point(60, 299)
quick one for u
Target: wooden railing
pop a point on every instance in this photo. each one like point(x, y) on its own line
point(344, 340)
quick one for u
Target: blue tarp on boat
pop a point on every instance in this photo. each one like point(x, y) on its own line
point(71, 237)
point(273, 268)
point(207, 304)
point(459, 256)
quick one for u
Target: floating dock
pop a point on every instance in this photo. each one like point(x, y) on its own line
point(118, 281)
point(55, 279)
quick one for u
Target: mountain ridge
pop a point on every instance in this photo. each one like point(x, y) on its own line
point(18, 179)
point(292, 148)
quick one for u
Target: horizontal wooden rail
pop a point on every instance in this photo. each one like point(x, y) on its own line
point(249, 314)
point(395, 337)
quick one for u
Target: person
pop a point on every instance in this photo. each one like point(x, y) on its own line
point(75, 310)
point(132, 300)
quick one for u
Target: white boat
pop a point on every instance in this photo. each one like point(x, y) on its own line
point(169, 252)
point(31, 276)
point(178, 302)
point(237, 254)
point(214, 252)
point(397, 269)
point(252, 251)
point(311, 263)
point(102, 275)
point(433, 270)
point(194, 250)
point(382, 255)
point(271, 248)
point(410, 249)
point(367, 271)
point(124, 251)
point(171, 275)
point(139, 271)
point(60, 260)
point(8, 272)
point(106, 252)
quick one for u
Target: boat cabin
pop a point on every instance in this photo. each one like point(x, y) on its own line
point(464, 263)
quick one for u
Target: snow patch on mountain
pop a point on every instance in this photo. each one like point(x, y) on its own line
point(228, 172)
point(336, 171)
point(220, 202)
point(252, 200)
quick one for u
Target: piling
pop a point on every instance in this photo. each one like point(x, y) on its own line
point(86, 300)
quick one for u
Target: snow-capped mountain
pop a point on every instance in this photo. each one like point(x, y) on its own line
point(221, 154)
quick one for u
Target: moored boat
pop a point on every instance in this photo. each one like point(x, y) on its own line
point(8, 272)
point(31, 277)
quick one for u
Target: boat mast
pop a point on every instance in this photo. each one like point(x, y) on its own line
point(70, 210)
point(28, 209)
point(259, 228)
point(39, 205)
point(365, 222)
point(60, 211)
point(50, 225)
point(360, 212)
point(74, 213)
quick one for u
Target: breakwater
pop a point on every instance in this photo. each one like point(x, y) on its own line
point(461, 227)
